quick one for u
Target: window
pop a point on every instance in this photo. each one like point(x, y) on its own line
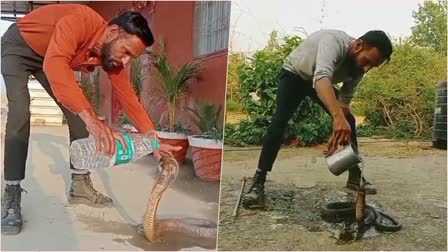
point(212, 21)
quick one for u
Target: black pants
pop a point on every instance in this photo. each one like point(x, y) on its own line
point(19, 61)
point(292, 90)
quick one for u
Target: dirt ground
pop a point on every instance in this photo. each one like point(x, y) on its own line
point(50, 223)
point(411, 179)
point(236, 117)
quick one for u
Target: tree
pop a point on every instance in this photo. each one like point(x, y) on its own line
point(430, 25)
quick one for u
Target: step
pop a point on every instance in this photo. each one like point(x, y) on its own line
point(39, 93)
point(47, 120)
point(47, 101)
point(45, 110)
point(35, 85)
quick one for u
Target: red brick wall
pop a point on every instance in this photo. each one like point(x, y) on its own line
point(174, 23)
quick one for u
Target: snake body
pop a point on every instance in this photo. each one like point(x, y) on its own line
point(153, 227)
point(334, 212)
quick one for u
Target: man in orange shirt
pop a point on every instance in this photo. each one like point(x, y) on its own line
point(50, 43)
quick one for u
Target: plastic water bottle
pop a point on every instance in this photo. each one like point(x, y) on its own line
point(83, 153)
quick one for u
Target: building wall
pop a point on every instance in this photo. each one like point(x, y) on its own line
point(174, 23)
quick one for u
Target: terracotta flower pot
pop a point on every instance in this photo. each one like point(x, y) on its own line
point(207, 157)
point(175, 139)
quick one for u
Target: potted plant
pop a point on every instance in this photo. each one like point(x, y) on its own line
point(174, 83)
point(138, 74)
point(88, 90)
point(207, 147)
point(91, 89)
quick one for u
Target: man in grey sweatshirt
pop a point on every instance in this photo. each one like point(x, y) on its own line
point(325, 58)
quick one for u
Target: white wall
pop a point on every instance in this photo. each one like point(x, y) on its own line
point(3, 98)
point(4, 25)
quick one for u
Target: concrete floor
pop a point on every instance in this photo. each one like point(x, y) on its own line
point(411, 178)
point(52, 224)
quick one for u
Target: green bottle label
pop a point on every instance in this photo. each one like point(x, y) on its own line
point(155, 145)
point(124, 156)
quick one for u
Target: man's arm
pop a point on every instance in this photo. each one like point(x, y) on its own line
point(68, 34)
point(135, 111)
point(63, 44)
point(133, 108)
point(328, 53)
point(324, 89)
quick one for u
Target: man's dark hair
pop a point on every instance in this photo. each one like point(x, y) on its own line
point(379, 40)
point(134, 23)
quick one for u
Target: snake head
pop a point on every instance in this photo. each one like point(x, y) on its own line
point(169, 165)
point(165, 155)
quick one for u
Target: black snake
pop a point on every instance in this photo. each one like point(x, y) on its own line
point(363, 213)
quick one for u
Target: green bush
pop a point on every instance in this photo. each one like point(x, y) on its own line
point(258, 76)
point(398, 99)
point(247, 132)
point(233, 106)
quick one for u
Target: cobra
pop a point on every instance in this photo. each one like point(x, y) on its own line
point(152, 227)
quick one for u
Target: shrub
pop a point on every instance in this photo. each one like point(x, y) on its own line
point(400, 96)
point(258, 80)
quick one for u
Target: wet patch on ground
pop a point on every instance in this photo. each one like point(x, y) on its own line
point(128, 234)
point(410, 177)
point(291, 219)
point(302, 207)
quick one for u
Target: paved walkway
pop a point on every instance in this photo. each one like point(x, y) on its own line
point(52, 224)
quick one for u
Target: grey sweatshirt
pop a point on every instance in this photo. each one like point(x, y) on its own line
point(323, 54)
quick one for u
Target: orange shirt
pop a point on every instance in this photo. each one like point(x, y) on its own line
point(65, 34)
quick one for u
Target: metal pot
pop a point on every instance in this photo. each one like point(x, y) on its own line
point(343, 159)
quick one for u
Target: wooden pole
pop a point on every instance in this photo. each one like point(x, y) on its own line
point(235, 211)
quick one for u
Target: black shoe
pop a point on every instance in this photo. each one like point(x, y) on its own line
point(11, 216)
point(254, 198)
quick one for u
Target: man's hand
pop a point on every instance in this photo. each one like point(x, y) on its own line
point(104, 136)
point(330, 150)
point(341, 135)
point(152, 134)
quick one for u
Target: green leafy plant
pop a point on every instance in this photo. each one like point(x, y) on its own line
point(174, 82)
point(233, 106)
point(258, 81)
point(179, 127)
point(247, 132)
point(237, 60)
point(138, 74)
point(208, 119)
point(92, 91)
point(431, 25)
point(398, 99)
